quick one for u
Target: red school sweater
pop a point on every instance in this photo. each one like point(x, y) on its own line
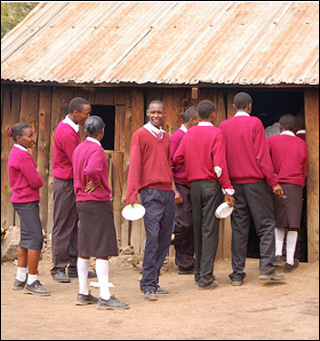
point(90, 164)
point(149, 165)
point(247, 152)
point(289, 156)
point(66, 139)
point(24, 178)
point(179, 172)
point(201, 150)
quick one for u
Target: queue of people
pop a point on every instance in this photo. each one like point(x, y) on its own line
point(181, 181)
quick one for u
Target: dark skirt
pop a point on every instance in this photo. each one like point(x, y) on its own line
point(31, 236)
point(287, 212)
point(97, 235)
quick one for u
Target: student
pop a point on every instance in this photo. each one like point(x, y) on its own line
point(97, 235)
point(250, 166)
point(25, 182)
point(65, 219)
point(183, 227)
point(289, 157)
point(202, 151)
point(150, 175)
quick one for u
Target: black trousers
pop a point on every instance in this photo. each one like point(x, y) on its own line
point(183, 231)
point(252, 199)
point(65, 225)
point(206, 196)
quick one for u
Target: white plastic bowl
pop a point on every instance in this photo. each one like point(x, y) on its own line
point(223, 211)
point(133, 212)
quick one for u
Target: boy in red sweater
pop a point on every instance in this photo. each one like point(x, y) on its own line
point(183, 227)
point(25, 182)
point(150, 175)
point(202, 151)
point(289, 157)
point(251, 172)
point(65, 219)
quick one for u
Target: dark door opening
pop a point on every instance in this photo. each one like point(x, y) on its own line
point(269, 105)
point(107, 113)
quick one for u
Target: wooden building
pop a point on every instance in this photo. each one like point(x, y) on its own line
point(121, 55)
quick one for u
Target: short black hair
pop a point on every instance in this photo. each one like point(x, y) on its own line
point(156, 101)
point(76, 104)
point(206, 108)
point(191, 112)
point(288, 122)
point(17, 130)
point(93, 125)
point(242, 100)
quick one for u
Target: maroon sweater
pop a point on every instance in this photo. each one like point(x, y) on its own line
point(149, 165)
point(201, 150)
point(290, 158)
point(247, 152)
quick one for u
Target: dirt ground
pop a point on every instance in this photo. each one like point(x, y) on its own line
point(257, 310)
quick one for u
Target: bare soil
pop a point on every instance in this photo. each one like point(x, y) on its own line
point(258, 310)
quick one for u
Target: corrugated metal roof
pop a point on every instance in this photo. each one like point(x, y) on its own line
point(166, 42)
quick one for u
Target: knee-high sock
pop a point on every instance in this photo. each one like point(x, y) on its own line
point(279, 234)
point(291, 246)
point(102, 269)
point(83, 268)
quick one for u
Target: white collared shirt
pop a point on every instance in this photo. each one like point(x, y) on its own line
point(241, 113)
point(69, 121)
point(302, 131)
point(157, 133)
point(92, 139)
point(21, 147)
point(205, 124)
point(288, 132)
point(183, 128)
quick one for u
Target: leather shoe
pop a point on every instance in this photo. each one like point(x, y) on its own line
point(61, 277)
point(19, 285)
point(36, 289)
point(288, 267)
point(273, 276)
point(111, 304)
point(86, 299)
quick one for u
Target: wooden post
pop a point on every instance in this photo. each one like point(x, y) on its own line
point(312, 140)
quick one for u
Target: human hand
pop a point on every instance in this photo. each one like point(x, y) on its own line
point(229, 199)
point(178, 198)
point(277, 190)
point(90, 187)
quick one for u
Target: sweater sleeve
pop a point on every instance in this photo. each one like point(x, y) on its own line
point(29, 171)
point(262, 155)
point(135, 169)
point(94, 167)
point(179, 155)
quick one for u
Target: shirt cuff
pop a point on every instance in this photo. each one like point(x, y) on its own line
point(229, 191)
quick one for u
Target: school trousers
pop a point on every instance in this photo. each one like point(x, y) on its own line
point(64, 241)
point(183, 230)
point(206, 196)
point(158, 222)
point(252, 199)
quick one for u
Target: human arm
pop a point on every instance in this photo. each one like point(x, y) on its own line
point(29, 171)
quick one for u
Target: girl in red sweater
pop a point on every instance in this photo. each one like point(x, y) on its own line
point(25, 182)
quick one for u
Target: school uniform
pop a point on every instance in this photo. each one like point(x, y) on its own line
point(183, 226)
point(65, 218)
point(96, 236)
point(25, 182)
point(289, 157)
point(251, 173)
point(150, 175)
point(202, 151)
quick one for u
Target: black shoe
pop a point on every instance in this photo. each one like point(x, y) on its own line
point(61, 277)
point(150, 295)
point(185, 272)
point(111, 304)
point(161, 290)
point(73, 273)
point(289, 267)
point(236, 283)
point(36, 289)
point(19, 285)
point(273, 275)
point(86, 299)
point(277, 261)
point(211, 285)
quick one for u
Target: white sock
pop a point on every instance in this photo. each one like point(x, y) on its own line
point(102, 269)
point(291, 246)
point(279, 234)
point(21, 274)
point(31, 279)
point(83, 268)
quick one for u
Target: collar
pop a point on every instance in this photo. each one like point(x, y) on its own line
point(158, 133)
point(183, 128)
point(241, 113)
point(73, 125)
point(92, 139)
point(21, 147)
point(288, 132)
point(205, 124)
point(302, 131)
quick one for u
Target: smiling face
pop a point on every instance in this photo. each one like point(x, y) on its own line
point(26, 139)
point(81, 116)
point(155, 113)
